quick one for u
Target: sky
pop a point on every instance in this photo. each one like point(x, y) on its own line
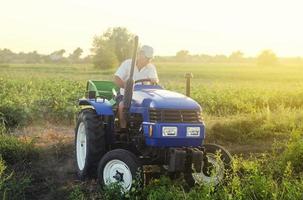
point(200, 26)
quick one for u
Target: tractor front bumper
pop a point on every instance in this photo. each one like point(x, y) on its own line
point(182, 159)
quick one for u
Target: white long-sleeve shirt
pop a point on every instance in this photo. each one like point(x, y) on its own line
point(147, 72)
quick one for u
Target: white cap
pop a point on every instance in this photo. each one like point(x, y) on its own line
point(147, 51)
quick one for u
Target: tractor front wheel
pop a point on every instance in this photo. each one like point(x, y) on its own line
point(122, 167)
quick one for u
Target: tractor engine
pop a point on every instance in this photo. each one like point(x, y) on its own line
point(169, 119)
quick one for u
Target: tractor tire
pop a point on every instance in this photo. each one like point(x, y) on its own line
point(120, 166)
point(89, 143)
point(214, 172)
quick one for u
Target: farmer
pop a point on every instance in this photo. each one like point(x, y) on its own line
point(144, 69)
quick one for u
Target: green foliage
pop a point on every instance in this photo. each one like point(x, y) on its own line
point(77, 193)
point(12, 116)
point(240, 104)
point(12, 150)
point(14, 184)
point(267, 57)
point(105, 59)
point(236, 56)
point(2, 123)
point(41, 100)
point(8, 56)
point(260, 126)
point(293, 155)
point(113, 191)
point(112, 47)
point(251, 178)
point(182, 55)
point(75, 56)
point(231, 100)
point(163, 188)
point(271, 176)
point(3, 66)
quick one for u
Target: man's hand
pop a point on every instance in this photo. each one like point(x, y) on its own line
point(118, 81)
point(154, 81)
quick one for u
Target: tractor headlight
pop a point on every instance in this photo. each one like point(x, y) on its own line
point(193, 131)
point(169, 131)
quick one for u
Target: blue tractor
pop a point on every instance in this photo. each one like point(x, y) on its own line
point(165, 135)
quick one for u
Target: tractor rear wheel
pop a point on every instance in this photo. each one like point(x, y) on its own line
point(89, 143)
point(215, 167)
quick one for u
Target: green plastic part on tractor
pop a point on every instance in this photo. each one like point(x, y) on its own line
point(103, 89)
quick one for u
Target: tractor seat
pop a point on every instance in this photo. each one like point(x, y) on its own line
point(104, 89)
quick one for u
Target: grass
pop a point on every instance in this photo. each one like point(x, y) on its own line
point(242, 103)
point(12, 185)
point(272, 176)
point(15, 158)
point(235, 98)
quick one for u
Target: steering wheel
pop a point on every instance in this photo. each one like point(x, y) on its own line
point(146, 80)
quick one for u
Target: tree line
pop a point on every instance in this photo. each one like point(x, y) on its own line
point(7, 56)
point(115, 45)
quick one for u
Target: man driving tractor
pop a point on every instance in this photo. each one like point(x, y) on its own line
point(163, 128)
point(144, 69)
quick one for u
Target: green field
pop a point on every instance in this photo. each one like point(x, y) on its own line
point(247, 100)
point(246, 107)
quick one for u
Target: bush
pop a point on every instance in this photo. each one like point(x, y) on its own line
point(12, 185)
point(77, 193)
point(163, 188)
point(293, 154)
point(15, 181)
point(2, 126)
point(12, 116)
point(13, 150)
point(260, 126)
point(52, 100)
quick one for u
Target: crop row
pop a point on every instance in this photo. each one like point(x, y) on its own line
point(35, 100)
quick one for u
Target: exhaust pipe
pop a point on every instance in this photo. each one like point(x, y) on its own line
point(129, 87)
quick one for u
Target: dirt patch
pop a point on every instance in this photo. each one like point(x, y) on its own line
point(53, 172)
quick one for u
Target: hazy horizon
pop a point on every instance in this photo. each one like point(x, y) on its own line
point(208, 27)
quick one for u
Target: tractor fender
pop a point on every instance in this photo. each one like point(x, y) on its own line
point(102, 107)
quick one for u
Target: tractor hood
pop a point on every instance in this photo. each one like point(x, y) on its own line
point(158, 98)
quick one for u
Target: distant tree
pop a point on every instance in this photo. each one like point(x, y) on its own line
point(220, 58)
point(6, 56)
point(236, 56)
point(112, 47)
point(267, 57)
point(75, 56)
point(32, 57)
point(205, 58)
point(57, 56)
point(105, 58)
point(87, 59)
point(182, 55)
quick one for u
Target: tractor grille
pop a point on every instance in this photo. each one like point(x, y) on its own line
point(171, 116)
